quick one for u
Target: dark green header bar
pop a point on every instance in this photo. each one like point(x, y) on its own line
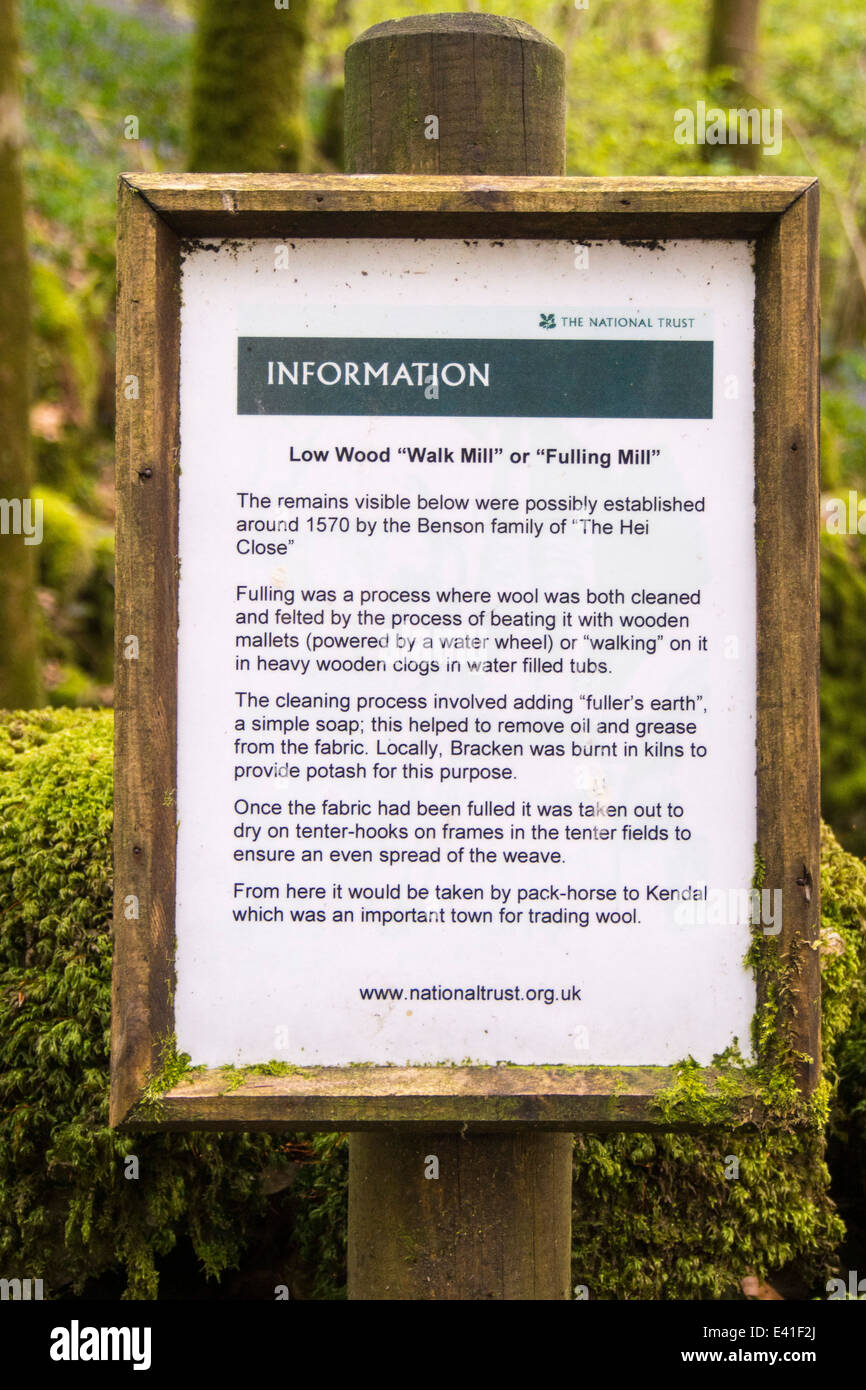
point(525, 378)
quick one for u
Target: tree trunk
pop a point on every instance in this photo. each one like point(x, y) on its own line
point(848, 317)
point(733, 44)
point(19, 670)
point(247, 109)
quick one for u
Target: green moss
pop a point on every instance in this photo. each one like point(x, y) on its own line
point(67, 1212)
point(173, 1067)
point(772, 1081)
point(235, 1077)
point(655, 1216)
point(321, 1194)
point(760, 869)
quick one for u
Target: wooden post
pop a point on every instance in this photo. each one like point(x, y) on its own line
point(453, 1216)
point(496, 88)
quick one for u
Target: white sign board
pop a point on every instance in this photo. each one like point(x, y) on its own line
point(466, 723)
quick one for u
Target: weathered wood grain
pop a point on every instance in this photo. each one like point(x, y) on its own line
point(146, 609)
point(282, 205)
point(787, 536)
point(483, 1099)
point(495, 87)
point(494, 1223)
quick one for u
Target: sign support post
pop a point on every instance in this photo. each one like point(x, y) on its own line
point(457, 94)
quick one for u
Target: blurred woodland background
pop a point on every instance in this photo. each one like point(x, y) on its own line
point(90, 89)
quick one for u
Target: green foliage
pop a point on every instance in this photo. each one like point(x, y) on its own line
point(67, 1212)
point(76, 578)
point(87, 67)
point(67, 379)
point(843, 608)
point(845, 1020)
point(843, 711)
point(655, 1217)
point(63, 555)
point(843, 948)
point(70, 687)
point(95, 625)
point(90, 66)
point(65, 366)
point(321, 1193)
point(849, 1126)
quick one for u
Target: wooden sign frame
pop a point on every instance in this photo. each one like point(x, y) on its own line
point(157, 214)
